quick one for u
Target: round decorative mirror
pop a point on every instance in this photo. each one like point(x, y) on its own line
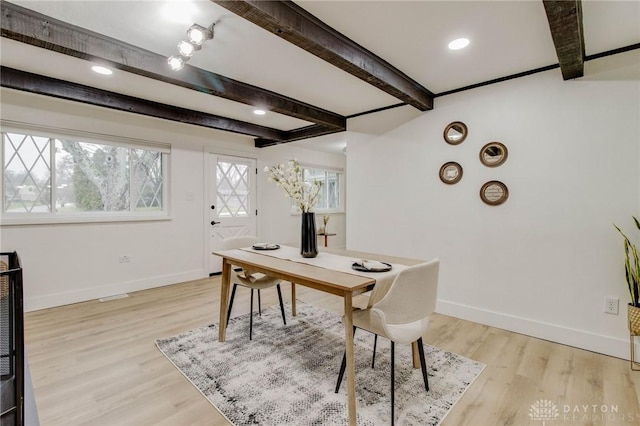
point(451, 172)
point(455, 133)
point(493, 154)
point(494, 193)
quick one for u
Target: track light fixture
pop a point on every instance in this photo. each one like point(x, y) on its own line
point(196, 35)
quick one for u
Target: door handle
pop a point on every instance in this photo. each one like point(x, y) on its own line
point(213, 222)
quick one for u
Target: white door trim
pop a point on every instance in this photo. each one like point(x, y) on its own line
point(207, 190)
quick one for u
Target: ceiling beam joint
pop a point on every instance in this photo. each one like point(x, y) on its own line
point(297, 134)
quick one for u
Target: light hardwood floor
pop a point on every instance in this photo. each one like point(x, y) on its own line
point(96, 363)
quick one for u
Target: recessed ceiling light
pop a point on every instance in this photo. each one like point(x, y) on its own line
point(259, 112)
point(459, 43)
point(101, 70)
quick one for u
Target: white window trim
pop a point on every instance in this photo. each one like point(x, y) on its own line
point(47, 219)
point(16, 219)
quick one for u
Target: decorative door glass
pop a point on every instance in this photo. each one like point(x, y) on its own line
point(233, 189)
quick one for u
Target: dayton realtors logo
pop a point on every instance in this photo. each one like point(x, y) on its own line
point(543, 410)
point(594, 413)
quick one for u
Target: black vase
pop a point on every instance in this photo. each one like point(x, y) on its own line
point(309, 242)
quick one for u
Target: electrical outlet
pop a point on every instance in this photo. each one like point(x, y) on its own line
point(125, 258)
point(611, 305)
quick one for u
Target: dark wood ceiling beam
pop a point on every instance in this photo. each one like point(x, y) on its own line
point(34, 83)
point(298, 134)
point(294, 24)
point(33, 28)
point(565, 22)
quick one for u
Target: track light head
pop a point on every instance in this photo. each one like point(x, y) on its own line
point(176, 62)
point(197, 34)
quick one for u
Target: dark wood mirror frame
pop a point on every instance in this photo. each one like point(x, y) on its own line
point(458, 126)
point(491, 189)
point(444, 175)
point(494, 149)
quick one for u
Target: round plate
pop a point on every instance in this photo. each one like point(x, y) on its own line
point(358, 267)
point(265, 246)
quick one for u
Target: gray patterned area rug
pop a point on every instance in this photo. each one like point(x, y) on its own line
point(287, 374)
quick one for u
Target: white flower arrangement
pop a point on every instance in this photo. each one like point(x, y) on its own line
point(289, 177)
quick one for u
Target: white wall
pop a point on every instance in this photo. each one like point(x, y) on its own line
point(75, 262)
point(543, 262)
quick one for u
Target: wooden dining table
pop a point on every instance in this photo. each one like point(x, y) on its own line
point(345, 285)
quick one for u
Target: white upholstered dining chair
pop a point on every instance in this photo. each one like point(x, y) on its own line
point(402, 315)
point(250, 280)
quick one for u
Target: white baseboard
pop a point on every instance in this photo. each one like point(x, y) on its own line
point(66, 298)
point(582, 339)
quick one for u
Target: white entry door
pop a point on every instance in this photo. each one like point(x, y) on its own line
point(232, 201)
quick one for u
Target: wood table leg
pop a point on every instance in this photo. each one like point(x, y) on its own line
point(224, 297)
point(415, 355)
point(294, 311)
point(349, 351)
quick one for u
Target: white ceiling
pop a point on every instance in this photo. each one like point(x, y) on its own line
point(507, 37)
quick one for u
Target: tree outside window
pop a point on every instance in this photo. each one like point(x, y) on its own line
point(66, 177)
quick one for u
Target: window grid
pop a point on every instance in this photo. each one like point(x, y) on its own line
point(26, 190)
point(146, 179)
point(330, 193)
point(233, 189)
point(65, 178)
